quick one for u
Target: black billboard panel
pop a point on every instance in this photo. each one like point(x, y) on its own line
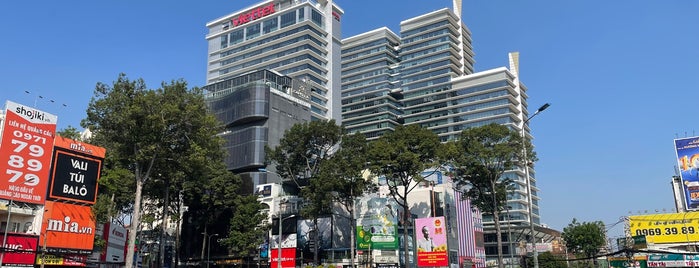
point(74, 177)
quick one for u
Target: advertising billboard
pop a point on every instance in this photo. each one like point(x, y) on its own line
point(64, 260)
point(75, 171)
point(21, 250)
point(667, 227)
point(288, 258)
point(115, 235)
point(377, 225)
point(68, 228)
point(688, 163)
point(25, 153)
point(431, 237)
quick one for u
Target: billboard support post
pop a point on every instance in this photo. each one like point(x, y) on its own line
point(4, 236)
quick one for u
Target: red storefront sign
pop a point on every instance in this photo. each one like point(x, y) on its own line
point(21, 250)
point(25, 153)
point(288, 258)
point(253, 14)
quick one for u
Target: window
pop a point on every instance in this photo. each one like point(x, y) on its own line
point(288, 19)
point(270, 25)
point(317, 18)
point(236, 37)
point(302, 13)
point(224, 41)
point(252, 31)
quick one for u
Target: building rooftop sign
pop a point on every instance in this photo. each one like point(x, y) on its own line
point(253, 14)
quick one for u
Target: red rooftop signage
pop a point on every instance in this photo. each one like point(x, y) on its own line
point(253, 15)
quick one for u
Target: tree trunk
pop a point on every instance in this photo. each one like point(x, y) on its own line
point(135, 221)
point(406, 244)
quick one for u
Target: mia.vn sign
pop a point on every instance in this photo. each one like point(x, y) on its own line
point(75, 171)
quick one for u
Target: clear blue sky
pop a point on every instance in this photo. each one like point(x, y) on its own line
point(619, 75)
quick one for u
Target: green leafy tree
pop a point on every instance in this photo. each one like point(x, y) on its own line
point(69, 132)
point(548, 260)
point(401, 157)
point(299, 157)
point(150, 134)
point(245, 239)
point(585, 239)
point(343, 175)
point(478, 160)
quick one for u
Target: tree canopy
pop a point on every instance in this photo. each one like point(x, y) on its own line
point(585, 239)
point(159, 141)
point(401, 157)
point(477, 162)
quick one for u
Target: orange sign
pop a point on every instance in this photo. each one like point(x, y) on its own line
point(25, 153)
point(68, 226)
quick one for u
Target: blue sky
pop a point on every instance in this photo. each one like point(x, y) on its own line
point(617, 73)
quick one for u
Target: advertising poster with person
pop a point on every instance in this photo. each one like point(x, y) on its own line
point(431, 237)
point(688, 163)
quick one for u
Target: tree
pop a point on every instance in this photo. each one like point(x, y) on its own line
point(342, 174)
point(69, 132)
point(478, 160)
point(401, 157)
point(584, 238)
point(301, 153)
point(243, 238)
point(150, 133)
point(548, 260)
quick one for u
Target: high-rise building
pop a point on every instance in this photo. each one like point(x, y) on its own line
point(255, 110)
point(426, 76)
point(296, 38)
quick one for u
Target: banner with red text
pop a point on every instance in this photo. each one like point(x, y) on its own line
point(25, 153)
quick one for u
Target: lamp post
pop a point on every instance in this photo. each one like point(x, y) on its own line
point(279, 241)
point(208, 250)
point(535, 257)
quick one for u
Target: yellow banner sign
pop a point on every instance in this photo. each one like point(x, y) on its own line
point(666, 228)
point(49, 259)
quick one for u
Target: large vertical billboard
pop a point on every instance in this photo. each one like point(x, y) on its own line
point(75, 171)
point(115, 235)
point(377, 226)
point(68, 228)
point(25, 153)
point(688, 163)
point(431, 237)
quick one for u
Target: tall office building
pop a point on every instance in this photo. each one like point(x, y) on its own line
point(428, 71)
point(296, 38)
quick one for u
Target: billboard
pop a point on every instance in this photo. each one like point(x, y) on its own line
point(68, 228)
point(431, 237)
point(75, 171)
point(115, 235)
point(64, 260)
point(288, 258)
point(667, 227)
point(688, 163)
point(377, 226)
point(25, 153)
point(21, 250)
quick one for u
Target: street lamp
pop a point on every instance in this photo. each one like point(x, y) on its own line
point(279, 241)
point(208, 250)
point(535, 257)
